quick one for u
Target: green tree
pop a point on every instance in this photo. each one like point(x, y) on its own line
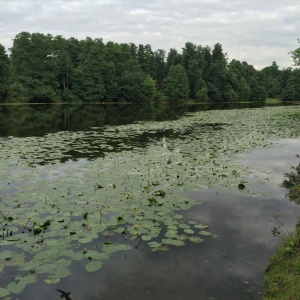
point(30, 66)
point(257, 89)
point(133, 87)
point(201, 90)
point(289, 92)
point(174, 58)
point(147, 61)
point(238, 81)
point(217, 76)
point(110, 81)
point(193, 62)
point(177, 84)
point(88, 84)
point(4, 73)
point(272, 80)
point(296, 55)
point(161, 68)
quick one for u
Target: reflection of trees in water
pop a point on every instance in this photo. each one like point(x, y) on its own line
point(292, 183)
point(37, 120)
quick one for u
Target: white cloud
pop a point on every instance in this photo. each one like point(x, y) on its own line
point(258, 32)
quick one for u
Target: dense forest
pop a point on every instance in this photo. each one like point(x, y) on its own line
point(46, 68)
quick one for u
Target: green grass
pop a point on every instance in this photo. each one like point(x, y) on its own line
point(273, 101)
point(282, 276)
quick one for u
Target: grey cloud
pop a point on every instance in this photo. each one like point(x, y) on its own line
point(258, 32)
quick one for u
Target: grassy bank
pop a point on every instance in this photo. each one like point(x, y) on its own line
point(282, 276)
point(274, 101)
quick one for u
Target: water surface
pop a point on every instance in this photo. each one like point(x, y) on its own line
point(228, 265)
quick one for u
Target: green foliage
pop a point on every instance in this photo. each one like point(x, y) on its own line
point(282, 276)
point(176, 84)
point(91, 71)
point(133, 87)
point(296, 55)
point(4, 73)
point(292, 183)
point(283, 272)
point(201, 90)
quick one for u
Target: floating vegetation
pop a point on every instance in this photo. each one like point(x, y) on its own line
point(53, 214)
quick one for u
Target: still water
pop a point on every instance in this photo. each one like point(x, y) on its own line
point(229, 266)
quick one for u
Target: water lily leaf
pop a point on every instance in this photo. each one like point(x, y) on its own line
point(52, 242)
point(196, 239)
point(4, 292)
point(15, 261)
point(200, 226)
point(76, 256)
point(173, 242)
point(154, 244)
point(171, 233)
point(94, 266)
point(52, 280)
point(189, 231)
point(86, 240)
point(8, 242)
point(116, 247)
point(20, 283)
point(203, 232)
point(6, 254)
point(146, 237)
point(16, 287)
point(61, 273)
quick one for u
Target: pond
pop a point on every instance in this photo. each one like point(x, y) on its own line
point(110, 202)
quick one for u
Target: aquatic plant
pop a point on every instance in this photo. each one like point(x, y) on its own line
point(57, 209)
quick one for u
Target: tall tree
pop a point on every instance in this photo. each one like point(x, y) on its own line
point(147, 61)
point(177, 84)
point(161, 68)
point(4, 73)
point(133, 87)
point(88, 84)
point(272, 80)
point(217, 75)
point(174, 58)
point(31, 69)
point(191, 64)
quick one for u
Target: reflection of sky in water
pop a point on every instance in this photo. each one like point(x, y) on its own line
point(272, 163)
point(228, 267)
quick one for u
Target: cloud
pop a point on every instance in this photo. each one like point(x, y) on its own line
point(258, 32)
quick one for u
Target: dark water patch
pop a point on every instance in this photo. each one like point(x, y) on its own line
point(38, 120)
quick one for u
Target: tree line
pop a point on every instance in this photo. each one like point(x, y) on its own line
point(92, 71)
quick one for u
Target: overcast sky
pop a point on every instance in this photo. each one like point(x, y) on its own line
point(255, 31)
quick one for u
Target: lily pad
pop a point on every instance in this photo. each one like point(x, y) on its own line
point(52, 280)
point(173, 242)
point(94, 266)
point(60, 204)
point(4, 292)
point(196, 239)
